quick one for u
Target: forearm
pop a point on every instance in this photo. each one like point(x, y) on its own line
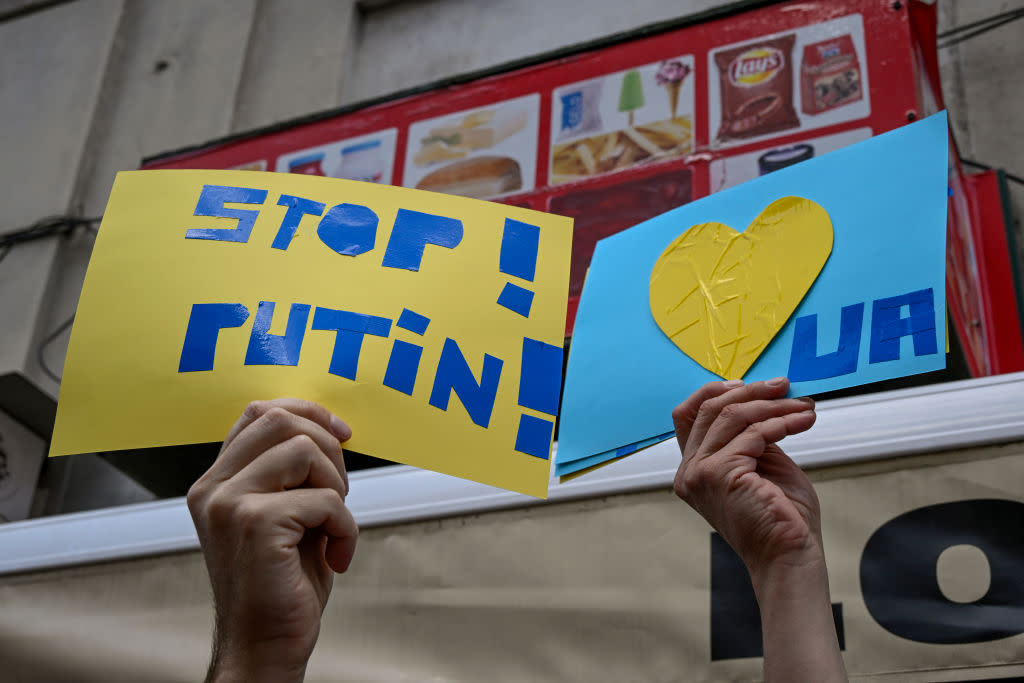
point(238, 663)
point(234, 669)
point(800, 642)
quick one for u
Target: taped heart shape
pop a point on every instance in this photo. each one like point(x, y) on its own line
point(721, 296)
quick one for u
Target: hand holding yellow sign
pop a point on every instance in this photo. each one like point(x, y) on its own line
point(208, 289)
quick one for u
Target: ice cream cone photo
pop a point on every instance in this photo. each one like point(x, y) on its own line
point(670, 75)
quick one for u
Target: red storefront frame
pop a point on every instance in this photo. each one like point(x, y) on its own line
point(898, 62)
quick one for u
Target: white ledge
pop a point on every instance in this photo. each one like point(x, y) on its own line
point(939, 417)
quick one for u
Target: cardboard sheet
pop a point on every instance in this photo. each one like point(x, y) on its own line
point(209, 289)
point(874, 312)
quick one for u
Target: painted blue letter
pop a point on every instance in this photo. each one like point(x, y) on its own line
point(454, 374)
point(351, 327)
point(888, 326)
point(349, 229)
point(540, 379)
point(403, 365)
point(204, 325)
point(211, 203)
point(297, 208)
point(804, 362)
point(276, 349)
point(519, 245)
point(413, 231)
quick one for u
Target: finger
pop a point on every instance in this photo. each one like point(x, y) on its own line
point(341, 549)
point(312, 508)
point(686, 412)
point(288, 465)
point(274, 427)
point(709, 410)
point(307, 409)
point(736, 417)
point(753, 440)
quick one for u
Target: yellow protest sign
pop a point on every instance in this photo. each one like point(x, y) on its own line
point(432, 324)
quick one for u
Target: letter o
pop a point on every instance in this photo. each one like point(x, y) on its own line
point(900, 584)
point(349, 229)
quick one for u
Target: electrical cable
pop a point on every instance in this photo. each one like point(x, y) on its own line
point(961, 33)
point(974, 24)
point(41, 349)
point(48, 227)
point(43, 228)
point(978, 164)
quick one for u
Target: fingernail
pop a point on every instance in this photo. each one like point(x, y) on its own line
point(733, 383)
point(807, 399)
point(340, 429)
point(776, 382)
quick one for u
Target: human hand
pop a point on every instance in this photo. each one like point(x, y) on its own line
point(272, 522)
point(739, 480)
point(735, 475)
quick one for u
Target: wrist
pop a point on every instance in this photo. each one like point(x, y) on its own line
point(793, 596)
point(794, 576)
point(232, 664)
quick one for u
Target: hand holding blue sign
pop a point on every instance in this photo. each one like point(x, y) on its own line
point(683, 298)
point(735, 475)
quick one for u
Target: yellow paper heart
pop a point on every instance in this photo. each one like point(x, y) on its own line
point(721, 295)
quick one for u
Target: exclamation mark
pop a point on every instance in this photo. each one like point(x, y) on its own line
point(540, 381)
point(519, 245)
point(540, 378)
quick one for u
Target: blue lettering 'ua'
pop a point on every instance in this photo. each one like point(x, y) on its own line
point(454, 374)
point(888, 325)
point(804, 362)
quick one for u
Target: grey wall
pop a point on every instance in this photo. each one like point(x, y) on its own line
point(90, 87)
point(983, 85)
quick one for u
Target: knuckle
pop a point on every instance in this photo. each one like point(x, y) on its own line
point(679, 486)
point(277, 419)
point(707, 411)
point(705, 473)
point(303, 443)
point(334, 498)
point(755, 437)
point(219, 508)
point(695, 477)
point(732, 412)
point(254, 410)
point(709, 388)
point(771, 425)
point(194, 496)
point(320, 414)
point(247, 513)
point(335, 453)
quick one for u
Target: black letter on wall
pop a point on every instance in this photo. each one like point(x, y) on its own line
point(901, 588)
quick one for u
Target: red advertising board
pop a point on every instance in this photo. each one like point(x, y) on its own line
point(615, 133)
